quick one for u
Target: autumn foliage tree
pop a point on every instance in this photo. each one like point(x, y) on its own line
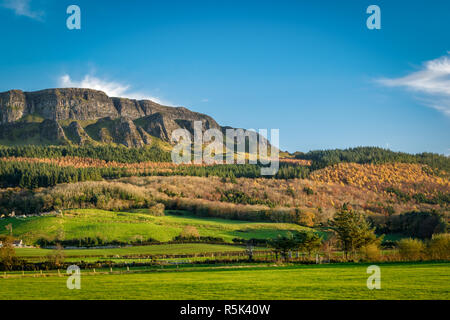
point(56, 258)
point(7, 253)
point(190, 232)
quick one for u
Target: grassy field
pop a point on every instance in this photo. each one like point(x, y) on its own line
point(169, 249)
point(398, 281)
point(126, 226)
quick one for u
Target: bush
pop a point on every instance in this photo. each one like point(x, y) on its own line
point(252, 241)
point(189, 232)
point(214, 240)
point(56, 258)
point(371, 252)
point(411, 249)
point(93, 242)
point(156, 210)
point(439, 247)
point(306, 219)
point(8, 257)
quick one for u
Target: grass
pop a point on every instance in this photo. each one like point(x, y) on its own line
point(32, 118)
point(341, 281)
point(126, 226)
point(169, 249)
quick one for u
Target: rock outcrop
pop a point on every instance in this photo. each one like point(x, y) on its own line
point(127, 134)
point(145, 136)
point(51, 130)
point(13, 106)
point(76, 133)
point(56, 104)
point(81, 116)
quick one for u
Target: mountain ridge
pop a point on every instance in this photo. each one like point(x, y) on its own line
point(85, 116)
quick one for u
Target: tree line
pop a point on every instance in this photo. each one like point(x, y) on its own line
point(363, 155)
point(319, 158)
point(103, 152)
point(31, 175)
point(233, 171)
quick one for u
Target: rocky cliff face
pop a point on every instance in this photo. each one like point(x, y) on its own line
point(80, 116)
point(127, 134)
point(56, 104)
point(77, 134)
point(13, 106)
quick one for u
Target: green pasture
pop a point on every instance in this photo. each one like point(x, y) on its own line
point(131, 226)
point(162, 249)
point(338, 281)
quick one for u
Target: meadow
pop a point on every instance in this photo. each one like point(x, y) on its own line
point(138, 224)
point(335, 281)
point(163, 249)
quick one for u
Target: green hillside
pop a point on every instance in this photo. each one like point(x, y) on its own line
point(132, 226)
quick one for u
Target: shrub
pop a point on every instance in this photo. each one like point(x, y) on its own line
point(56, 258)
point(306, 219)
point(439, 247)
point(371, 252)
point(190, 232)
point(252, 241)
point(8, 257)
point(156, 210)
point(411, 249)
point(215, 240)
point(93, 242)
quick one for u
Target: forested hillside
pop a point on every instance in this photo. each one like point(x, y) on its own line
point(375, 155)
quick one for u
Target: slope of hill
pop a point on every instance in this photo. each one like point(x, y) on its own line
point(136, 226)
point(411, 178)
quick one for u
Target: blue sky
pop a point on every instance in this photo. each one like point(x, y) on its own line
point(309, 68)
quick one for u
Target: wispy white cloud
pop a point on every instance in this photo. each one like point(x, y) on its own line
point(23, 8)
point(111, 88)
point(432, 81)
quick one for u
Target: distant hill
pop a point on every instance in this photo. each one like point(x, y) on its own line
point(86, 116)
